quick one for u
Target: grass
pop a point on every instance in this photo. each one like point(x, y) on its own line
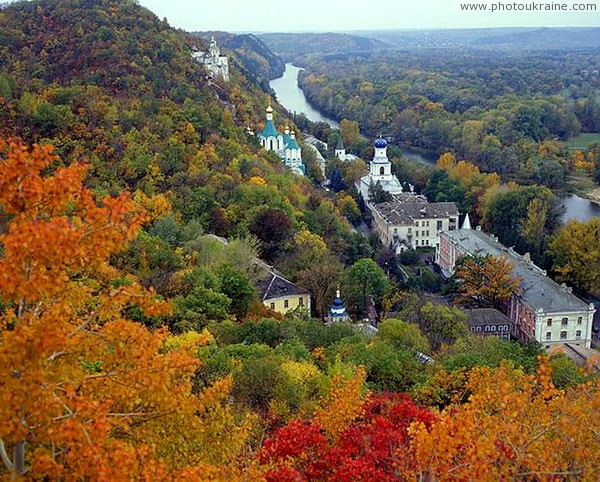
point(581, 141)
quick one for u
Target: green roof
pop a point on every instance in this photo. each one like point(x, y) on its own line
point(340, 144)
point(269, 130)
point(292, 143)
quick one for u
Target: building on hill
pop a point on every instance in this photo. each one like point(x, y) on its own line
point(284, 145)
point(216, 64)
point(281, 295)
point(340, 152)
point(338, 312)
point(410, 222)
point(276, 292)
point(544, 310)
point(380, 171)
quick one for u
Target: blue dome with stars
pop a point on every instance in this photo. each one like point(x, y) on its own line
point(380, 143)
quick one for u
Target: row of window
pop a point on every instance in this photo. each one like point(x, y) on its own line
point(492, 328)
point(286, 303)
point(565, 321)
point(563, 335)
point(425, 224)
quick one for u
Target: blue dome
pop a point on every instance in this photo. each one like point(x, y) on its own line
point(380, 143)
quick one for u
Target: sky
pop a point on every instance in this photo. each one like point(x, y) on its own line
point(352, 15)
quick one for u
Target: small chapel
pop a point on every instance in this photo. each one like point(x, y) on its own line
point(380, 171)
point(284, 145)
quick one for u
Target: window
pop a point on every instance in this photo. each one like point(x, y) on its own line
point(487, 328)
point(565, 321)
point(563, 335)
point(427, 242)
point(272, 306)
point(479, 328)
point(428, 232)
point(417, 224)
point(286, 304)
point(548, 335)
point(439, 225)
point(549, 322)
point(427, 223)
point(382, 171)
point(409, 230)
point(423, 233)
point(301, 301)
point(493, 328)
point(579, 320)
point(395, 230)
point(578, 334)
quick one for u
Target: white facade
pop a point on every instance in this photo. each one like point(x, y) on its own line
point(543, 310)
point(285, 146)
point(380, 171)
point(216, 64)
point(413, 223)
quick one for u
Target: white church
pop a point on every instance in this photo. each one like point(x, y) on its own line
point(216, 64)
point(380, 171)
point(284, 145)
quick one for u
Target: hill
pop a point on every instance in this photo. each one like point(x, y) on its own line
point(294, 45)
point(110, 83)
point(519, 38)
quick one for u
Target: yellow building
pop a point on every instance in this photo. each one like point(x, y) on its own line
point(281, 295)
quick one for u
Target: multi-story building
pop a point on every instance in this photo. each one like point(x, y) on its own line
point(544, 310)
point(409, 221)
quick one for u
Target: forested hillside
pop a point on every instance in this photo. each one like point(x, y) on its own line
point(134, 344)
point(505, 112)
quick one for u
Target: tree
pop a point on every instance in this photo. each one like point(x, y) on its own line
point(377, 194)
point(86, 391)
point(350, 131)
point(533, 227)
point(441, 324)
point(364, 279)
point(507, 427)
point(486, 281)
point(272, 227)
point(403, 335)
point(575, 250)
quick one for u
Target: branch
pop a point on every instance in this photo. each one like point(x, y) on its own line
point(4, 456)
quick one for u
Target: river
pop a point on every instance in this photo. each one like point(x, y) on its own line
point(293, 99)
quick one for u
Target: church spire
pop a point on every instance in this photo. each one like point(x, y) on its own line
point(467, 222)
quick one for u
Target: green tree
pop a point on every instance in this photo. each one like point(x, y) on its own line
point(442, 324)
point(365, 279)
point(238, 288)
point(403, 335)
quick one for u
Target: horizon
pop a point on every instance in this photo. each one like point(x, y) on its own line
point(335, 16)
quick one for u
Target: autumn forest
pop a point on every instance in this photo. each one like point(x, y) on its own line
point(139, 218)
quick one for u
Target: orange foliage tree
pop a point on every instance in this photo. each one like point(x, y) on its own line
point(486, 281)
point(84, 392)
point(514, 427)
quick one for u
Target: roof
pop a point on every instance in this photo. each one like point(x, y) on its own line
point(406, 213)
point(269, 130)
point(340, 143)
point(486, 317)
point(538, 290)
point(276, 286)
point(292, 143)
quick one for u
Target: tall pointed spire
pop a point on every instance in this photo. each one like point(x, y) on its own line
point(467, 222)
